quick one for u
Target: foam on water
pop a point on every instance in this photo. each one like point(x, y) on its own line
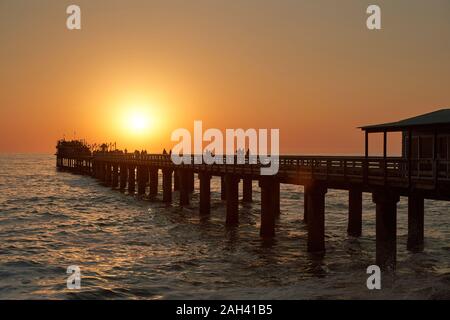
point(133, 248)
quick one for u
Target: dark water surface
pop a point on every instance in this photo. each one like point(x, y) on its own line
point(129, 248)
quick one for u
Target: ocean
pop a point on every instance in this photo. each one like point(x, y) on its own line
point(133, 248)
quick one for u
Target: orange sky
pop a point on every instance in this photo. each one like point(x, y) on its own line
point(309, 68)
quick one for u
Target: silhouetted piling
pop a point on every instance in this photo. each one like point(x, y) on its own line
point(153, 173)
point(386, 227)
point(316, 216)
point(167, 184)
point(415, 221)
point(131, 179)
point(247, 189)
point(354, 227)
point(268, 206)
point(205, 193)
point(232, 194)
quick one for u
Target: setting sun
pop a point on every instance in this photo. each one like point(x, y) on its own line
point(138, 122)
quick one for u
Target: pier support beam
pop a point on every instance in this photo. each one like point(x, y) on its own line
point(223, 188)
point(205, 193)
point(176, 180)
point(415, 221)
point(102, 167)
point(305, 205)
point(268, 186)
point(142, 178)
point(247, 189)
point(276, 197)
point(101, 171)
point(123, 176)
point(167, 184)
point(108, 174)
point(354, 227)
point(184, 187)
point(191, 182)
point(153, 173)
point(115, 176)
point(232, 192)
point(94, 169)
point(315, 193)
point(386, 227)
point(131, 179)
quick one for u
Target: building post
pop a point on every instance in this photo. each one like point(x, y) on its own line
point(167, 184)
point(205, 193)
point(316, 216)
point(354, 227)
point(232, 192)
point(415, 221)
point(268, 206)
point(386, 227)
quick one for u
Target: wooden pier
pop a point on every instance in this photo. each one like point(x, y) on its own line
point(387, 178)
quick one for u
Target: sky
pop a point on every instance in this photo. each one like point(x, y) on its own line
point(309, 68)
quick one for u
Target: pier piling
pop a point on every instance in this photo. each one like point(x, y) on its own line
point(123, 176)
point(415, 221)
point(131, 179)
point(167, 184)
point(354, 227)
point(115, 176)
point(205, 193)
point(386, 227)
point(247, 189)
point(223, 188)
point(142, 178)
point(153, 174)
point(184, 187)
point(315, 193)
point(232, 194)
point(268, 206)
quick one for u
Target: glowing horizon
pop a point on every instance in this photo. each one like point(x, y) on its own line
point(140, 69)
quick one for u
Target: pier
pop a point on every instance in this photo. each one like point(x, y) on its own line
point(422, 172)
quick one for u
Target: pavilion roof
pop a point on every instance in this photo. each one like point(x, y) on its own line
point(424, 121)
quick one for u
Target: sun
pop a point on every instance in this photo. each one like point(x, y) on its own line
point(138, 122)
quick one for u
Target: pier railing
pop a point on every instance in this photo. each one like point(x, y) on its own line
point(397, 170)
